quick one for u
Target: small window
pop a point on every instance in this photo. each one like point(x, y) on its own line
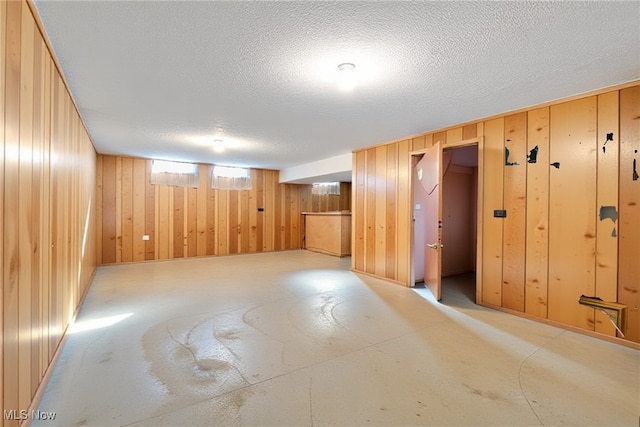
point(178, 174)
point(326, 188)
point(227, 178)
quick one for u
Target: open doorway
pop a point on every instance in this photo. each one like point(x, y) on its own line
point(458, 227)
point(459, 221)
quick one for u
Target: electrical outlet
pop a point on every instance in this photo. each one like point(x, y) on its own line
point(145, 237)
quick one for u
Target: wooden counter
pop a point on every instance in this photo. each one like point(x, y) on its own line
point(328, 232)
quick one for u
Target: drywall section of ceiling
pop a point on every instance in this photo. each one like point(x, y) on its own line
point(332, 169)
point(165, 79)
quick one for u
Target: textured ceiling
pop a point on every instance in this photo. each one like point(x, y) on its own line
point(162, 79)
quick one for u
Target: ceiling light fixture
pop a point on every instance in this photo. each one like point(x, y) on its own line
point(218, 145)
point(346, 76)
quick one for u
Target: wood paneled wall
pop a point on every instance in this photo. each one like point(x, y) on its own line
point(330, 203)
point(187, 222)
point(570, 187)
point(47, 220)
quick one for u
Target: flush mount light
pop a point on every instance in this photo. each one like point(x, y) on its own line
point(346, 76)
point(218, 145)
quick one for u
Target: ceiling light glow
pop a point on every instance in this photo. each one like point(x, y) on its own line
point(218, 145)
point(346, 76)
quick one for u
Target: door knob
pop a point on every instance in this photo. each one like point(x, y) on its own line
point(435, 245)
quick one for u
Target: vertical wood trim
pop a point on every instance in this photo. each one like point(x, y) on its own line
point(232, 213)
point(537, 231)
point(138, 209)
point(211, 218)
point(629, 207)
point(480, 216)
point(37, 225)
point(201, 217)
point(370, 239)
point(179, 222)
point(170, 221)
point(359, 217)
point(3, 44)
point(108, 209)
point(607, 196)
point(156, 222)
point(270, 211)
point(127, 209)
point(390, 250)
point(514, 225)
point(493, 198)
point(118, 209)
point(192, 222)
point(381, 211)
point(25, 244)
point(260, 203)
point(404, 215)
point(253, 213)
point(99, 208)
point(150, 212)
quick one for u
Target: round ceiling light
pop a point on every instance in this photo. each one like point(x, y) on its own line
point(218, 145)
point(346, 76)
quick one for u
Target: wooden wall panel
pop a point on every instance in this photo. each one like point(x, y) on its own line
point(108, 210)
point(403, 214)
point(201, 214)
point(380, 211)
point(11, 199)
point(371, 192)
point(179, 222)
point(211, 221)
point(537, 228)
point(192, 221)
point(514, 195)
point(189, 222)
point(149, 214)
point(3, 44)
point(390, 212)
point(139, 209)
point(572, 211)
point(608, 149)
point(454, 135)
point(25, 186)
point(492, 232)
point(552, 247)
point(470, 131)
point(47, 218)
point(126, 191)
point(629, 206)
point(358, 240)
point(38, 228)
point(418, 143)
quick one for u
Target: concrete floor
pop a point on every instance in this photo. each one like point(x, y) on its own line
point(295, 338)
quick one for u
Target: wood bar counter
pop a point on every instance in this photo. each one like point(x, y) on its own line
point(328, 232)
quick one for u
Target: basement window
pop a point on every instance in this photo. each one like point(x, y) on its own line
point(326, 188)
point(228, 178)
point(178, 174)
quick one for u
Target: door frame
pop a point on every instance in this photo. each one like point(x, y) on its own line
point(479, 141)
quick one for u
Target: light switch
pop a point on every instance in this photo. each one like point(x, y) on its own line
point(145, 237)
point(418, 207)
